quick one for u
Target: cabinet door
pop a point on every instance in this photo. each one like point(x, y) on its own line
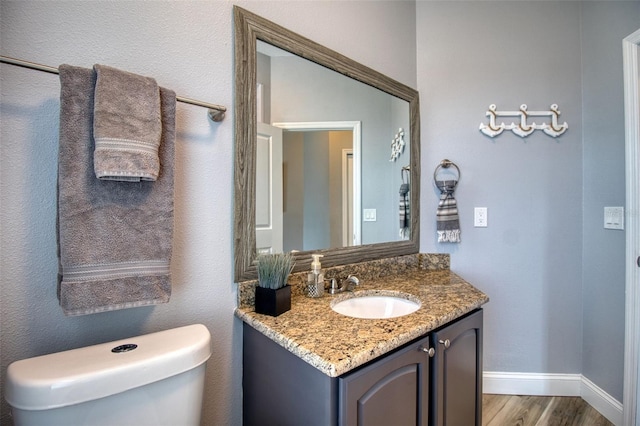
point(392, 391)
point(457, 373)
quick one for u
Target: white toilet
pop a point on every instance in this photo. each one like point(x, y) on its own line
point(155, 379)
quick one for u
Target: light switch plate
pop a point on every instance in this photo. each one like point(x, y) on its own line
point(614, 217)
point(369, 215)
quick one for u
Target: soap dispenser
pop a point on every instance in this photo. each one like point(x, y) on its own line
point(315, 279)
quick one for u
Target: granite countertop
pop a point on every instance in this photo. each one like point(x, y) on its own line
point(336, 344)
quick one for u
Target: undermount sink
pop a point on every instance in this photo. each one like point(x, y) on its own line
point(376, 307)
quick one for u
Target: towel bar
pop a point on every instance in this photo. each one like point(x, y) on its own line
point(216, 112)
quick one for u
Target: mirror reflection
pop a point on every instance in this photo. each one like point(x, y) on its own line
point(299, 183)
point(330, 155)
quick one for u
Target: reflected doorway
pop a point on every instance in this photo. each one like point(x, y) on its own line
point(321, 185)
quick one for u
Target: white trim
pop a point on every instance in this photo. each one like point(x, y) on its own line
point(606, 405)
point(259, 103)
point(632, 156)
point(544, 384)
point(531, 383)
point(356, 128)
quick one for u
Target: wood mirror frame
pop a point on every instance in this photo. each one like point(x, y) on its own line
point(248, 29)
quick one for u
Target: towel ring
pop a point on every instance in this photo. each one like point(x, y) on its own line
point(445, 164)
point(407, 170)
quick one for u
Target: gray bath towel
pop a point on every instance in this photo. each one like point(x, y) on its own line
point(114, 237)
point(126, 125)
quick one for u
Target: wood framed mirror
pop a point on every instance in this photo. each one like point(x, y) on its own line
point(380, 206)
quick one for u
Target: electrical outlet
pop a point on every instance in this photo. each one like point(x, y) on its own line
point(480, 217)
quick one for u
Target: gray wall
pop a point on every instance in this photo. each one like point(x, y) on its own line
point(603, 28)
point(554, 276)
point(187, 46)
point(293, 173)
point(392, 187)
point(316, 222)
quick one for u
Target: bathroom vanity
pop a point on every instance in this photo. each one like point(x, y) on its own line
point(314, 366)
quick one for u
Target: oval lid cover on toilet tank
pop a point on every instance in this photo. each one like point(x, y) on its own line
point(93, 372)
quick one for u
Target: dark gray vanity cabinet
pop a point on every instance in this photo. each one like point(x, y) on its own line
point(457, 373)
point(280, 389)
point(394, 390)
point(435, 380)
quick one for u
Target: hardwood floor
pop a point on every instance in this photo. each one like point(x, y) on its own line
point(515, 410)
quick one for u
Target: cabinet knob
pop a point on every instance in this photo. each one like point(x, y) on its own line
point(446, 343)
point(429, 351)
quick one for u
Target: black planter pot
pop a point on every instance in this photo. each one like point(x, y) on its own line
point(273, 302)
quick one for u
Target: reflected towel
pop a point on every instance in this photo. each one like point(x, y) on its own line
point(448, 223)
point(114, 237)
point(405, 216)
point(126, 126)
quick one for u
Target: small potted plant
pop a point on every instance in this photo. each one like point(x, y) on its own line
point(273, 294)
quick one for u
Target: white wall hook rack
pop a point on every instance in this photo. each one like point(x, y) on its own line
point(523, 129)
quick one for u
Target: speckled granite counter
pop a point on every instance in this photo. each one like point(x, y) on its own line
point(335, 344)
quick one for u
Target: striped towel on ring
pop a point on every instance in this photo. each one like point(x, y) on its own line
point(448, 223)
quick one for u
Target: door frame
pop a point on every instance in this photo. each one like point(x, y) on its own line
point(631, 67)
point(347, 236)
point(356, 128)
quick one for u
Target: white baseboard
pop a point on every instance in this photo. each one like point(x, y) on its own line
point(532, 384)
point(602, 401)
point(554, 385)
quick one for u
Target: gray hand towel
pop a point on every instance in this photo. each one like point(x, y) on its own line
point(114, 237)
point(405, 212)
point(126, 125)
point(447, 221)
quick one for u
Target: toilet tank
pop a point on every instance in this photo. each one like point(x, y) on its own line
point(154, 379)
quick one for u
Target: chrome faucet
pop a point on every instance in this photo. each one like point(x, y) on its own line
point(347, 285)
point(351, 279)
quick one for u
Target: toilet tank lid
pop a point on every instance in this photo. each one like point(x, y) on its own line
point(85, 374)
